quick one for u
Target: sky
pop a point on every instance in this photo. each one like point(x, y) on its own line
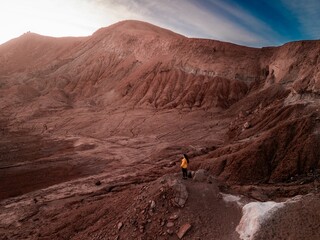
point(255, 23)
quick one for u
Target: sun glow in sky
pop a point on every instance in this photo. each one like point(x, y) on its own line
point(245, 22)
point(49, 17)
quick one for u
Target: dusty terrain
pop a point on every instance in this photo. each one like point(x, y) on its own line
point(92, 130)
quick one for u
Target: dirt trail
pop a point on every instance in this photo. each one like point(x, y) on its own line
point(211, 216)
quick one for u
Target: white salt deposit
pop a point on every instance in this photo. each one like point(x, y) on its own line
point(254, 215)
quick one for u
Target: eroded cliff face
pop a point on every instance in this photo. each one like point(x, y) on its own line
point(250, 115)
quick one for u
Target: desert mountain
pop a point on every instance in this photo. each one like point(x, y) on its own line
point(133, 64)
point(129, 99)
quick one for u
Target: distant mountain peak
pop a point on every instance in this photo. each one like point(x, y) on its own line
point(138, 27)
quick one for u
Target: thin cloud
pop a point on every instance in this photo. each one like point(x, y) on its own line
point(192, 19)
point(308, 14)
point(246, 19)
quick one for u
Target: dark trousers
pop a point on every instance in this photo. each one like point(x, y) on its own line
point(184, 172)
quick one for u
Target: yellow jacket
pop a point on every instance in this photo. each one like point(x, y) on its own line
point(184, 163)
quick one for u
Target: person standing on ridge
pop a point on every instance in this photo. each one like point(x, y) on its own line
point(184, 166)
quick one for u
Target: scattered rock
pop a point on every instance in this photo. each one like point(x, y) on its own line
point(170, 224)
point(162, 223)
point(170, 231)
point(120, 225)
point(152, 205)
point(174, 217)
point(98, 183)
point(246, 125)
point(183, 230)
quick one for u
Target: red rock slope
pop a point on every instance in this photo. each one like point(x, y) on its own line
point(264, 103)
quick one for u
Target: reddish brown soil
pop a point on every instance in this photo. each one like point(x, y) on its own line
point(121, 106)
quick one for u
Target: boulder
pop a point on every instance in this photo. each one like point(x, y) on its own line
point(180, 193)
point(201, 175)
point(183, 230)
